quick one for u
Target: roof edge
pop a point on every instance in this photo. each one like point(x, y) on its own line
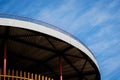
point(49, 31)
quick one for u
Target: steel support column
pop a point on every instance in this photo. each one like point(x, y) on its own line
point(5, 60)
point(60, 68)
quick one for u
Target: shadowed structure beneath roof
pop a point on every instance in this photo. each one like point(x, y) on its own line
point(36, 52)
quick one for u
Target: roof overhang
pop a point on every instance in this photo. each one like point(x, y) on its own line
point(48, 30)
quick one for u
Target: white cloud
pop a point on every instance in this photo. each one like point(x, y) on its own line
point(111, 64)
point(102, 45)
point(64, 16)
point(102, 42)
point(56, 12)
point(103, 33)
point(88, 20)
point(61, 16)
point(114, 3)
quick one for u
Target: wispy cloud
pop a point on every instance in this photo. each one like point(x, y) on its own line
point(96, 23)
point(60, 15)
point(69, 16)
point(96, 15)
point(110, 67)
point(105, 32)
point(109, 62)
point(103, 45)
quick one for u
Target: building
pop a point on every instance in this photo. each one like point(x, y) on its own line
point(32, 49)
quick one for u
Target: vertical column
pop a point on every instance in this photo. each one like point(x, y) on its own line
point(24, 75)
point(17, 75)
point(46, 78)
point(32, 76)
point(8, 74)
point(60, 68)
point(35, 76)
point(4, 64)
point(20, 75)
point(52, 79)
point(39, 77)
point(12, 74)
point(0, 73)
point(28, 75)
point(42, 77)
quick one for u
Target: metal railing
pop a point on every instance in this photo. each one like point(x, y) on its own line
point(22, 75)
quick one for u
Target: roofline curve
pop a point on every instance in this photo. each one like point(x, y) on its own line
point(43, 28)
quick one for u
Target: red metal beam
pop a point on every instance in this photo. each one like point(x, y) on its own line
point(60, 68)
point(5, 61)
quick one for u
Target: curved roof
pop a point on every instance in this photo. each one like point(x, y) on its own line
point(95, 23)
point(40, 44)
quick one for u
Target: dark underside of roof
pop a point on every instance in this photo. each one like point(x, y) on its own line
point(39, 53)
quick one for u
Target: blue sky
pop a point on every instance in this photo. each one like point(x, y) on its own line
point(95, 22)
